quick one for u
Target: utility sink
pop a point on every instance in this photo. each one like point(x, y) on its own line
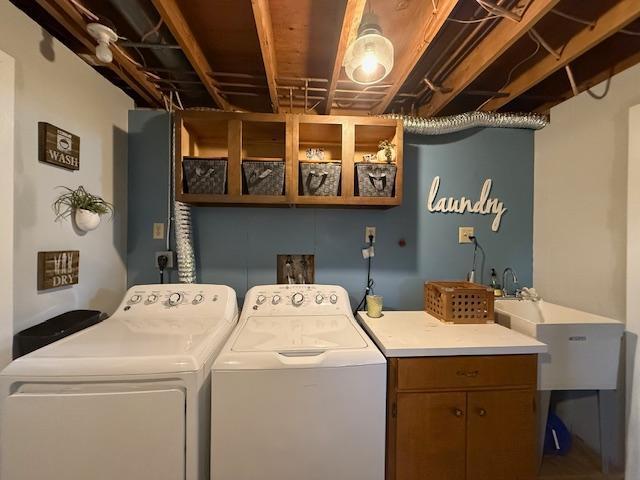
point(584, 349)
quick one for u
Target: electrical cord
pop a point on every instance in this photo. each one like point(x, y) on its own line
point(163, 260)
point(369, 288)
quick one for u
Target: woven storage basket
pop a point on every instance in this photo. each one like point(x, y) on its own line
point(459, 302)
point(376, 179)
point(264, 177)
point(205, 175)
point(320, 178)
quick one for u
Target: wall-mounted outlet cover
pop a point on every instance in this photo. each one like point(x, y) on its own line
point(169, 255)
point(464, 233)
point(369, 231)
point(158, 231)
point(297, 269)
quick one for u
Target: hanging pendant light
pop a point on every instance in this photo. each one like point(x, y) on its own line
point(369, 58)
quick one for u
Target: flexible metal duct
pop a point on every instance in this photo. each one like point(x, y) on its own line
point(464, 121)
point(418, 125)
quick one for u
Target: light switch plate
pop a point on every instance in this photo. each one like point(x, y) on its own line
point(158, 231)
point(464, 233)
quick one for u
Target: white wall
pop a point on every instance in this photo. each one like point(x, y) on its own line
point(633, 299)
point(55, 86)
point(7, 101)
point(580, 225)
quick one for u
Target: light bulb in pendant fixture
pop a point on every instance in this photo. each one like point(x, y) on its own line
point(369, 58)
point(105, 36)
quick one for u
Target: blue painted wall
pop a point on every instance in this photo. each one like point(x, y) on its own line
point(238, 246)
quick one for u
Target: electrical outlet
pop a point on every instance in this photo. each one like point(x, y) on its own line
point(158, 231)
point(464, 233)
point(369, 232)
point(169, 255)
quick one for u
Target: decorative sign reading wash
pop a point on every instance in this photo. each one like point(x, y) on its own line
point(58, 269)
point(483, 206)
point(58, 147)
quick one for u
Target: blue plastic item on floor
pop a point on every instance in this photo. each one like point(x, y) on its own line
point(557, 438)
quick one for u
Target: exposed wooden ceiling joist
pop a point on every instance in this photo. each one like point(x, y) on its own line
point(614, 19)
point(430, 22)
point(262, 16)
point(503, 36)
point(170, 13)
point(68, 16)
point(352, 17)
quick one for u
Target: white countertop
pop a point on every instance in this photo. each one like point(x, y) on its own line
point(418, 334)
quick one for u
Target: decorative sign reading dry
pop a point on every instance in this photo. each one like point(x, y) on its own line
point(58, 269)
point(58, 147)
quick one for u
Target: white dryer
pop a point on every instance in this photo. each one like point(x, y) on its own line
point(298, 391)
point(126, 399)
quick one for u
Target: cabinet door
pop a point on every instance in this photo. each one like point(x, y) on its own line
point(430, 436)
point(501, 435)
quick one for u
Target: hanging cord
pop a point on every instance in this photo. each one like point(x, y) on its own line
point(477, 247)
point(369, 288)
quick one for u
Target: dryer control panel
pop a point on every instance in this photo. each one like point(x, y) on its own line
point(297, 299)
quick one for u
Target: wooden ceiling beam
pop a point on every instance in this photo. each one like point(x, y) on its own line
point(614, 19)
point(68, 16)
point(172, 16)
point(503, 36)
point(431, 22)
point(351, 21)
point(264, 27)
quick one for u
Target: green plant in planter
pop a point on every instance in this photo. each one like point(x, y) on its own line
point(79, 199)
point(387, 147)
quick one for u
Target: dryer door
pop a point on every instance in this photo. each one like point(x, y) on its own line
point(100, 435)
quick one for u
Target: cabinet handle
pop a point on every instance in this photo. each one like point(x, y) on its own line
point(457, 412)
point(482, 412)
point(469, 374)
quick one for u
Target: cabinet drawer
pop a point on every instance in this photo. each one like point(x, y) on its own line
point(426, 373)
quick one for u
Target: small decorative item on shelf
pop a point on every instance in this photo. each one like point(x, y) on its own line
point(316, 154)
point(370, 157)
point(386, 152)
point(320, 179)
point(205, 175)
point(86, 208)
point(376, 179)
point(264, 177)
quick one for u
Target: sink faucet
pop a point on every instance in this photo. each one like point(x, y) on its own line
point(505, 291)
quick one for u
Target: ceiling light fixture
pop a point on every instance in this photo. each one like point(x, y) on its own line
point(369, 58)
point(105, 36)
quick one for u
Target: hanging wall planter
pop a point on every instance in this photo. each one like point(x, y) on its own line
point(86, 208)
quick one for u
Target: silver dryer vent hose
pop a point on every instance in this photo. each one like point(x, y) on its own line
point(418, 125)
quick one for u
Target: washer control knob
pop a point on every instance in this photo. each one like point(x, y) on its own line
point(135, 299)
point(261, 299)
point(152, 298)
point(276, 299)
point(297, 299)
point(175, 299)
point(197, 299)
point(319, 298)
point(333, 298)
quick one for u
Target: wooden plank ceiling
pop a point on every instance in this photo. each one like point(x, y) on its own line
point(450, 56)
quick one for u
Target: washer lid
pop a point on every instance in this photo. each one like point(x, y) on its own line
point(295, 333)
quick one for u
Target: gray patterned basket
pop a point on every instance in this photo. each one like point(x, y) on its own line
point(264, 177)
point(205, 175)
point(376, 179)
point(320, 178)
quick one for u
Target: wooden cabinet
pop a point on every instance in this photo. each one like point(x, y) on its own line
point(457, 418)
point(241, 137)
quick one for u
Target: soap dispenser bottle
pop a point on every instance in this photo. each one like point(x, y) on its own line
point(497, 290)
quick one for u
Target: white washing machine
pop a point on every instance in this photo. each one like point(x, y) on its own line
point(298, 391)
point(126, 399)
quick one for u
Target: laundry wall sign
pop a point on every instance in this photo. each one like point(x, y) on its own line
point(58, 269)
point(58, 147)
point(485, 205)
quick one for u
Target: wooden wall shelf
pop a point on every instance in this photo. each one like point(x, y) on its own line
point(264, 137)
